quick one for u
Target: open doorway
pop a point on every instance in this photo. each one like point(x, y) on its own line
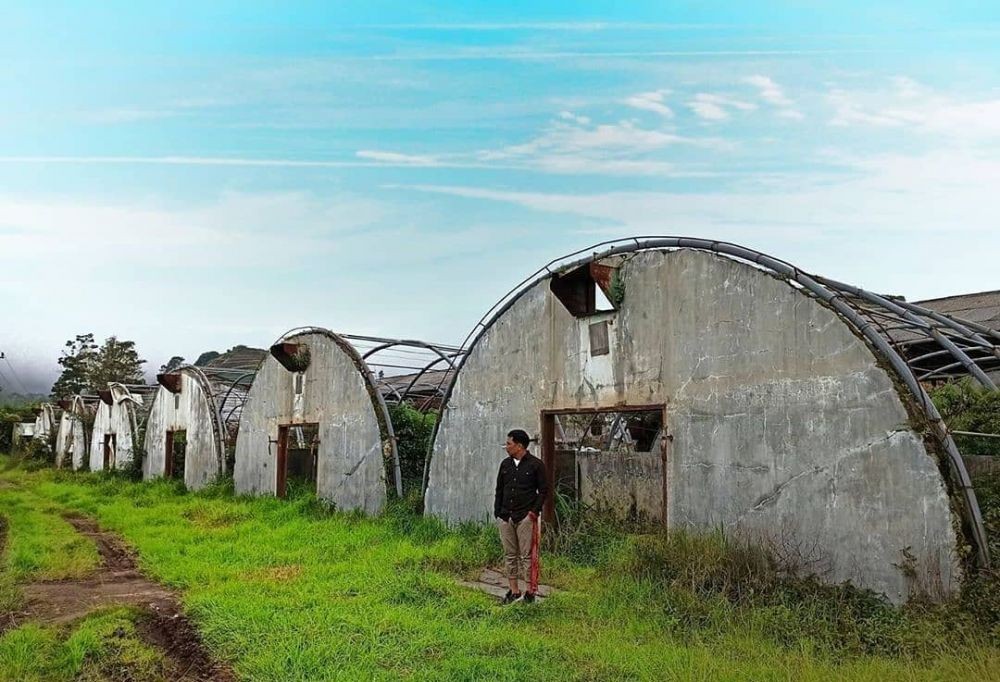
point(612, 460)
point(175, 451)
point(298, 450)
point(110, 447)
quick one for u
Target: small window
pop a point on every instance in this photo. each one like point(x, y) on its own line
point(177, 401)
point(599, 339)
point(299, 382)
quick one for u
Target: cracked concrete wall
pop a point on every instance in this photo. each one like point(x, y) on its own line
point(785, 428)
point(625, 484)
point(350, 471)
point(71, 440)
point(189, 411)
point(118, 419)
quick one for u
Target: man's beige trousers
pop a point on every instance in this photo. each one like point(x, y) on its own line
point(516, 539)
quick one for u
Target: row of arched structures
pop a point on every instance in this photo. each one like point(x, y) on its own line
point(696, 383)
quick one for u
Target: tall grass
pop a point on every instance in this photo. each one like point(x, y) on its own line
point(294, 590)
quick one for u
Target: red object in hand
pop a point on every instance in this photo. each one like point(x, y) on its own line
point(536, 537)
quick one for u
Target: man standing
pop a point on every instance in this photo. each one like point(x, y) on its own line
point(521, 489)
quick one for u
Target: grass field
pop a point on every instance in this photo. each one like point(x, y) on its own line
point(287, 590)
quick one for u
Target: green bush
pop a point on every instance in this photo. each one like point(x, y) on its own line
point(413, 430)
point(967, 406)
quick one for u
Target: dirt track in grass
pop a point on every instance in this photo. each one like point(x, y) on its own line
point(118, 582)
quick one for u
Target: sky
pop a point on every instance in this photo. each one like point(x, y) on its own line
point(197, 175)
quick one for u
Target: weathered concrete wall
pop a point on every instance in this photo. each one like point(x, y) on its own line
point(44, 423)
point(625, 484)
point(119, 419)
point(350, 471)
point(189, 411)
point(784, 426)
point(71, 441)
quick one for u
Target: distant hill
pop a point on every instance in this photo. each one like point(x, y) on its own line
point(238, 357)
point(18, 399)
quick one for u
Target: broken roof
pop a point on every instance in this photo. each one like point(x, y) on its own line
point(982, 308)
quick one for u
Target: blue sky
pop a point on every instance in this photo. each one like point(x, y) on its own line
point(197, 175)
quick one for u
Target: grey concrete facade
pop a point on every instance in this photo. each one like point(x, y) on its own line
point(114, 423)
point(71, 439)
point(45, 422)
point(338, 394)
point(785, 427)
point(192, 410)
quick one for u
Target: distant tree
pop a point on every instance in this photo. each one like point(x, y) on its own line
point(117, 361)
point(172, 364)
point(206, 358)
point(78, 360)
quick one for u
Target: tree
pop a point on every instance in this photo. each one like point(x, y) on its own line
point(78, 360)
point(172, 364)
point(117, 361)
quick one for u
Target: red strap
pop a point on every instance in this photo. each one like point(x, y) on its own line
point(536, 536)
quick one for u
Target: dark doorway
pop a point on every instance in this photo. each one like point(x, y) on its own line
point(176, 449)
point(614, 460)
point(298, 449)
point(110, 447)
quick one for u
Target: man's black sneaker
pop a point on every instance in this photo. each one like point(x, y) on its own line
point(529, 597)
point(510, 597)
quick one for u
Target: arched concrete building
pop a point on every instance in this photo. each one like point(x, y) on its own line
point(773, 408)
point(185, 433)
point(45, 423)
point(71, 440)
point(314, 414)
point(115, 425)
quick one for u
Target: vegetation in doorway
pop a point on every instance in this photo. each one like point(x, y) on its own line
point(413, 430)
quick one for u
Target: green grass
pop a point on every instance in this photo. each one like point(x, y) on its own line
point(287, 590)
point(103, 646)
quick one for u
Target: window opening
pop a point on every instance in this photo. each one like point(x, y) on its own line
point(609, 460)
point(584, 291)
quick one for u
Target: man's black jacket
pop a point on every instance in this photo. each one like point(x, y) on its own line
point(520, 488)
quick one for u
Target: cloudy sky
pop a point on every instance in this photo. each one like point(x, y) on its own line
point(195, 175)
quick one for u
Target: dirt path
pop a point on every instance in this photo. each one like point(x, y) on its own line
point(119, 582)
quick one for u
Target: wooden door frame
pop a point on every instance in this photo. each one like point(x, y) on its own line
point(281, 460)
point(548, 445)
point(110, 450)
point(281, 463)
point(168, 459)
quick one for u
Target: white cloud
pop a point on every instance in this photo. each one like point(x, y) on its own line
point(651, 101)
point(773, 94)
point(714, 107)
point(395, 158)
point(932, 192)
point(769, 91)
point(908, 105)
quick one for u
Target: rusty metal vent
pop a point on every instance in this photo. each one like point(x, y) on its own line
point(63, 404)
point(170, 381)
point(599, 339)
point(105, 397)
point(293, 356)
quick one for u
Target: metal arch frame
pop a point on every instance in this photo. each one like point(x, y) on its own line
point(378, 402)
point(445, 353)
point(134, 405)
point(214, 408)
point(233, 384)
point(836, 295)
